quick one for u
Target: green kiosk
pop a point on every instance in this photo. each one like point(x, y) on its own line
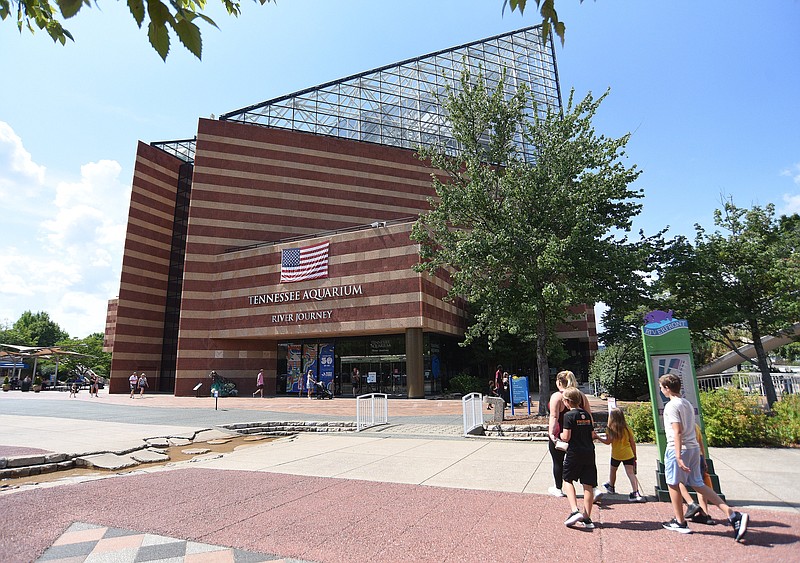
point(668, 349)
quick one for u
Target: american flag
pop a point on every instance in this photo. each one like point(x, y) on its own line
point(307, 263)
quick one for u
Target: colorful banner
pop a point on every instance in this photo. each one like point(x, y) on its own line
point(294, 383)
point(310, 360)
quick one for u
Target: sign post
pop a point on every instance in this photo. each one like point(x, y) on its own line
point(519, 392)
point(668, 350)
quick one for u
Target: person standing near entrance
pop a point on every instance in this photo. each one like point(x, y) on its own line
point(310, 382)
point(356, 380)
point(259, 384)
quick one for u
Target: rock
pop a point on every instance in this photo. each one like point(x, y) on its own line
point(149, 456)
point(195, 451)
point(107, 461)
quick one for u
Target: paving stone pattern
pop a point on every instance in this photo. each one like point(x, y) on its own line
point(83, 542)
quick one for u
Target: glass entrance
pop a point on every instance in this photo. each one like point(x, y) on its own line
point(374, 374)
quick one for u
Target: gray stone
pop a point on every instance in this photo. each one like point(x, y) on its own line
point(158, 442)
point(179, 442)
point(108, 461)
point(206, 457)
point(25, 460)
point(149, 456)
point(195, 451)
point(54, 458)
point(3, 463)
point(218, 441)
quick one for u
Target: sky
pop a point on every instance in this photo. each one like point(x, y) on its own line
point(710, 92)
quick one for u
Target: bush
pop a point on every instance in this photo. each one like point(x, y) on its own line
point(465, 384)
point(784, 426)
point(733, 419)
point(640, 419)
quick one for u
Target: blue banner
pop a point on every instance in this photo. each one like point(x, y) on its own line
point(326, 365)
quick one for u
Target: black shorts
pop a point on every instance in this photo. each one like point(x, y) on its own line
point(580, 466)
point(616, 462)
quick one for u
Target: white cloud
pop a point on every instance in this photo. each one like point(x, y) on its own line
point(792, 201)
point(793, 173)
point(63, 257)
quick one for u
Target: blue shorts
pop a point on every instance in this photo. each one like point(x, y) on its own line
point(675, 475)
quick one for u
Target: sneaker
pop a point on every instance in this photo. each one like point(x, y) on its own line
point(691, 510)
point(609, 488)
point(636, 496)
point(703, 518)
point(588, 524)
point(676, 526)
point(739, 523)
point(598, 494)
point(556, 492)
point(573, 518)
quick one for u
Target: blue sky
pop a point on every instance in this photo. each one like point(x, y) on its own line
point(710, 91)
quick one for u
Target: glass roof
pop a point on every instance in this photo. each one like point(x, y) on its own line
point(399, 104)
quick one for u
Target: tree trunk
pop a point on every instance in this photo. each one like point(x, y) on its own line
point(763, 366)
point(542, 365)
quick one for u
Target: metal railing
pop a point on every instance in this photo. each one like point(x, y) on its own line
point(472, 408)
point(785, 383)
point(371, 410)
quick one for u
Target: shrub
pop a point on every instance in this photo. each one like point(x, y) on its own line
point(784, 426)
point(466, 384)
point(733, 419)
point(640, 419)
point(626, 364)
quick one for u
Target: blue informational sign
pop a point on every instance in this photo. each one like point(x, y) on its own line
point(326, 365)
point(519, 392)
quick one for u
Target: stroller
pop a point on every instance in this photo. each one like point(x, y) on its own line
point(321, 392)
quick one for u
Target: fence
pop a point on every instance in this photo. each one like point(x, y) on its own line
point(472, 408)
point(371, 410)
point(785, 383)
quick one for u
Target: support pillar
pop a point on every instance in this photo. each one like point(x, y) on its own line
point(414, 363)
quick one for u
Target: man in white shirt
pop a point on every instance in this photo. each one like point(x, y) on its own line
point(682, 460)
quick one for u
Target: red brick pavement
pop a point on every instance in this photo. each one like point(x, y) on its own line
point(336, 520)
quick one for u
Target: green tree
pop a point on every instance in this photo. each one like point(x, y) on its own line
point(620, 369)
point(92, 356)
point(744, 282)
point(35, 330)
point(176, 15)
point(524, 241)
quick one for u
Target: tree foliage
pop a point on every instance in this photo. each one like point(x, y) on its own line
point(524, 241)
point(92, 356)
point(745, 282)
point(179, 16)
point(33, 329)
point(621, 370)
point(547, 9)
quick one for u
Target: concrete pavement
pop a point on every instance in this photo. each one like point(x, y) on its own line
point(420, 455)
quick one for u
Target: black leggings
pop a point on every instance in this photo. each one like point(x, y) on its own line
point(558, 463)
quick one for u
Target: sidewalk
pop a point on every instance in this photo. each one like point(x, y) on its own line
point(389, 494)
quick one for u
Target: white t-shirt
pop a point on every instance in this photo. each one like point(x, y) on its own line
point(680, 410)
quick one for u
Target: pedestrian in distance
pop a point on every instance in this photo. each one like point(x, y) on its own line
point(579, 460)
point(73, 389)
point(94, 385)
point(682, 460)
point(623, 451)
point(310, 382)
point(259, 384)
point(142, 383)
point(133, 381)
point(557, 409)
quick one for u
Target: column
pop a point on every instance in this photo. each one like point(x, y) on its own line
point(414, 363)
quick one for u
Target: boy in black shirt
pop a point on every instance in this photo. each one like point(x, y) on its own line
point(579, 461)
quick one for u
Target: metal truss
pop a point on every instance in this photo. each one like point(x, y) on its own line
point(183, 149)
point(401, 104)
